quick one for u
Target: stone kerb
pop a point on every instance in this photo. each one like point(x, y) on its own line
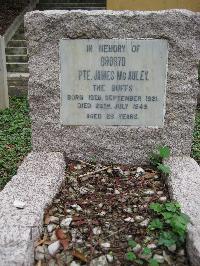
point(4, 101)
point(124, 144)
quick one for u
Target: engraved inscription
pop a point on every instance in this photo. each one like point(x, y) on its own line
point(113, 82)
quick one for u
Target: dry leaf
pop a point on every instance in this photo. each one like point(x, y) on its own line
point(79, 255)
point(41, 241)
point(47, 219)
point(60, 234)
point(64, 243)
point(39, 263)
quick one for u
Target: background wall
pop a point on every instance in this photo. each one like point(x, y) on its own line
point(153, 4)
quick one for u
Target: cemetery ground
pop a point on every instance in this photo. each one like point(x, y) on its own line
point(116, 228)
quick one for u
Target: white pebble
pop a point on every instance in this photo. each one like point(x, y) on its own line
point(129, 219)
point(109, 258)
point(19, 204)
point(128, 210)
point(51, 227)
point(100, 205)
point(39, 253)
point(172, 248)
point(140, 170)
point(159, 258)
point(117, 192)
point(53, 248)
point(148, 192)
point(105, 245)
point(77, 207)
point(163, 199)
point(74, 263)
point(96, 230)
point(53, 219)
point(137, 248)
point(103, 213)
point(144, 223)
point(139, 218)
point(66, 222)
point(152, 246)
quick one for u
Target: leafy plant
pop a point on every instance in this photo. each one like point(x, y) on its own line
point(130, 256)
point(171, 223)
point(15, 137)
point(157, 157)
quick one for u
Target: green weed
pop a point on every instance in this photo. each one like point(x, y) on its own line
point(15, 137)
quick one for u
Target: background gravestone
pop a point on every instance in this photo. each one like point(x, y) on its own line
point(124, 143)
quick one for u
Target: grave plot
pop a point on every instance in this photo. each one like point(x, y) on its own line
point(106, 215)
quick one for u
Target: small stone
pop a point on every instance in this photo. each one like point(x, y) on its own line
point(152, 246)
point(172, 248)
point(96, 230)
point(159, 258)
point(103, 213)
point(109, 170)
point(19, 204)
point(128, 210)
point(109, 258)
point(160, 193)
point(53, 236)
point(105, 245)
point(139, 218)
point(83, 190)
point(66, 222)
point(53, 219)
point(100, 205)
point(77, 207)
point(137, 248)
point(156, 177)
point(144, 223)
point(181, 252)
point(148, 192)
point(39, 253)
point(117, 192)
point(167, 258)
point(128, 237)
point(74, 263)
point(78, 167)
point(140, 170)
point(107, 224)
point(100, 261)
point(163, 199)
point(51, 227)
point(53, 248)
point(51, 262)
point(129, 219)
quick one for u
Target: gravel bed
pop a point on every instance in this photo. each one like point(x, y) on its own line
point(97, 211)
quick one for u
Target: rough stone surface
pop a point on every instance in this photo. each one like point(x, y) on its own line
point(36, 183)
point(112, 143)
point(184, 184)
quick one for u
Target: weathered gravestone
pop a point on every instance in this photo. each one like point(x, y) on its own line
point(113, 84)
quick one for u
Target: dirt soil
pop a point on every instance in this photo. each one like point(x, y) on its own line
point(97, 211)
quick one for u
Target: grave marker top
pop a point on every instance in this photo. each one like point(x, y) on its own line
point(121, 143)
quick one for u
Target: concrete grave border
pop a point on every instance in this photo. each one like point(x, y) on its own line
point(38, 180)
